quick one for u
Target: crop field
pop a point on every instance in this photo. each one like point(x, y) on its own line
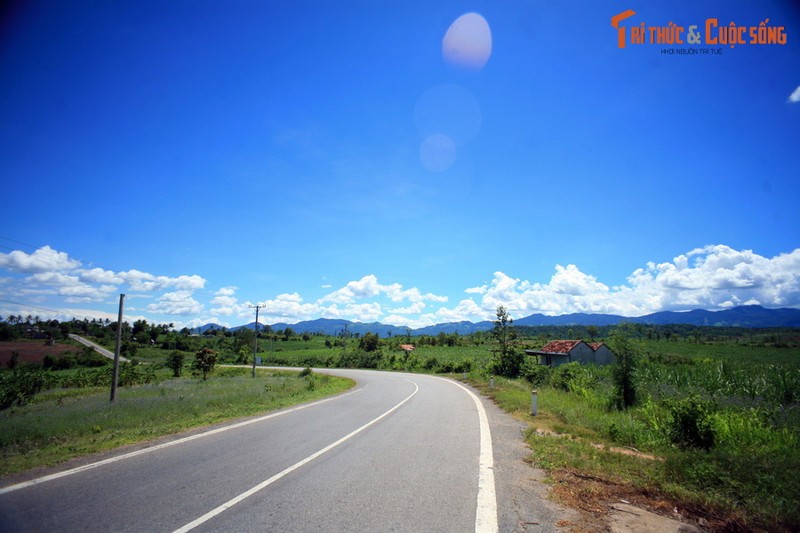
point(33, 351)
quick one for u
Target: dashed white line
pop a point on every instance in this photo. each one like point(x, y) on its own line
point(233, 501)
point(183, 440)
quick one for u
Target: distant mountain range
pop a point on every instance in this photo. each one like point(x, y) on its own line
point(747, 316)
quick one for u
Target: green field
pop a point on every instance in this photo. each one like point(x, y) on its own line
point(714, 430)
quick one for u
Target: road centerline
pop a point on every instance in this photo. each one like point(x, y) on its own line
point(241, 497)
point(176, 442)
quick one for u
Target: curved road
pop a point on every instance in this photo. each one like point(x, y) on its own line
point(399, 452)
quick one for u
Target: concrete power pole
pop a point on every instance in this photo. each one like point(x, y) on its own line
point(115, 377)
point(255, 342)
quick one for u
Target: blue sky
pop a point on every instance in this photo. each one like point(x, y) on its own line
point(329, 159)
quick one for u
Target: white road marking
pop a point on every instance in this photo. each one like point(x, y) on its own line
point(230, 503)
point(486, 511)
point(183, 440)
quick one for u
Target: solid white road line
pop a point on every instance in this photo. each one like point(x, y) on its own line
point(486, 511)
point(183, 440)
point(230, 503)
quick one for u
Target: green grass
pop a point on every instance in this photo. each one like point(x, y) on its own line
point(748, 478)
point(66, 423)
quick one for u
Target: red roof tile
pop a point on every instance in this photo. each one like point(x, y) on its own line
point(559, 346)
point(595, 345)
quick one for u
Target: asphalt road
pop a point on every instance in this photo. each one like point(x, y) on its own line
point(96, 347)
point(400, 452)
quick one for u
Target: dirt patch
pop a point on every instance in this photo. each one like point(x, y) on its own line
point(33, 351)
point(617, 507)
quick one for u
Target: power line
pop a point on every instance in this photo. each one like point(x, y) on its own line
point(54, 311)
point(29, 306)
point(19, 242)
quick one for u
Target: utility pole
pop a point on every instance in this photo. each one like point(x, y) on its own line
point(255, 342)
point(115, 377)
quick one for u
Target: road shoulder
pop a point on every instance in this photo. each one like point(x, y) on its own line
point(523, 502)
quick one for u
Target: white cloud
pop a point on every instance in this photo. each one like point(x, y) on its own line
point(712, 277)
point(369, 287)
point(226, 291)
point(99, 275)
point(225, 302)
point(413, 309)
point(287, 307)
point(366, 312)
point(795, 96)
point(45, 259)
point(176, 303)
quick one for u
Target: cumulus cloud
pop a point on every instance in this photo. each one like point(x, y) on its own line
point(145, 282)
point(712, 277)
point(176, 303)
point(289, 307)
point(795, 96)
point(225, 302)
point(50, 272)
point(413, 309)
point(226, 291)
point(366, 312)
point(369, 287)
point(45, 259)
point(709, 277)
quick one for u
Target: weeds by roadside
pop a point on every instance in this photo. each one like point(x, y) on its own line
point(725, 467)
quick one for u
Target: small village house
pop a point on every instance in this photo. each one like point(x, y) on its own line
point(557, 353)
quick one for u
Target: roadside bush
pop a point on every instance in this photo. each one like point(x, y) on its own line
point(359, 359)
point(692, 423)
point(508, 364)
point(533, 372)
point(563, 375)
point(431, 363)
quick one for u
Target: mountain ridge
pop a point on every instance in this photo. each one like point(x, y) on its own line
point(746, 316)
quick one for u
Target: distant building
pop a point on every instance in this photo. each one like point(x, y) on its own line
point(556, 353)
point(408, 348)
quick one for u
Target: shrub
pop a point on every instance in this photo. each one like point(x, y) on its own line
point(359, 359)
point(564, 376)
point(533, 372)
point(692, 423)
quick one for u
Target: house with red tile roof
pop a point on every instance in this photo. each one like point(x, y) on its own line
point(556, 353)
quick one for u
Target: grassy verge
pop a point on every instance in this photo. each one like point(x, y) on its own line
point(596, 456)
point(66, 423)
